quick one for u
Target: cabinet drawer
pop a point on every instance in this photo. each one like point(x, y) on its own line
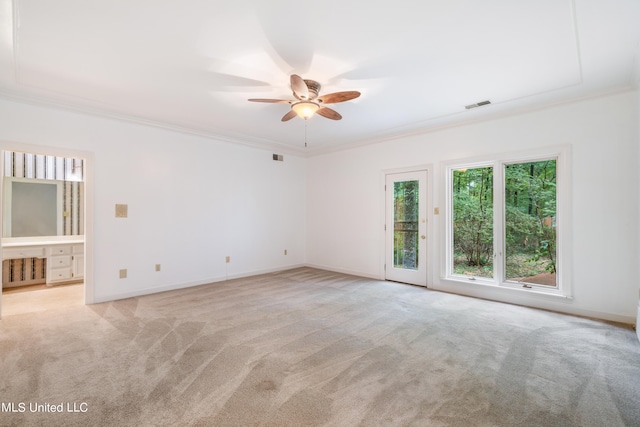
point(77, 249)
point(26, 252)
point(60, 250)
point(59, 274)
point(59, 261)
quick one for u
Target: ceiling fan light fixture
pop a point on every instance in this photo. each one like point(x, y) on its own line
point(307, 102)
point(305, 109)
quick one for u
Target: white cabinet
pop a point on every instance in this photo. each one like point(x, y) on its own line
point(65, 261)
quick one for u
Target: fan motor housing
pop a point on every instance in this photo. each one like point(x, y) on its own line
point(314, 88)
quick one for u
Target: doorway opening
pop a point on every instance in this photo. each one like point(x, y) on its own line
point(43, 231)
point(406, 226)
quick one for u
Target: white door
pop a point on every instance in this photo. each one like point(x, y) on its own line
point(406, 227)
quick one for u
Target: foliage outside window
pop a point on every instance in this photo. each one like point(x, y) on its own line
point(503, 223)
point(530, 222)
point(473, 222)
point(405, 224)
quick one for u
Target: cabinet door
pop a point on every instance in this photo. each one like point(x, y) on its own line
point(78, 266)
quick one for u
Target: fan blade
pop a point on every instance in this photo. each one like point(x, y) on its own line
point(290, 115)
point(336, 97)
point(273, 101)
point(299, 87)
point(329, 113)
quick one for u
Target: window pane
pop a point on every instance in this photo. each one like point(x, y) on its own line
point(405, 224)
point(473, 222)
point(530, 222)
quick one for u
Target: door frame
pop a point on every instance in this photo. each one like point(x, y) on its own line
point(430, 228)
point(87, 156)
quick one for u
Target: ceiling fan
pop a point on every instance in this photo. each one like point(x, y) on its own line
point(307, 101)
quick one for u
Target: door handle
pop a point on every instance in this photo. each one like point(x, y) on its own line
point(423, 237)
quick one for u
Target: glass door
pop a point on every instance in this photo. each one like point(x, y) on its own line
point(406, 228)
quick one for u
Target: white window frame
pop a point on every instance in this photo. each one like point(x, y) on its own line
point(563, 215)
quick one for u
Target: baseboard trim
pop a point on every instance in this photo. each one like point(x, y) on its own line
point(176, 286)
point(344, 271)
point(539, 301)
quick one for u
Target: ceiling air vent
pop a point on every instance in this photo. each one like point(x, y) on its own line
point(477, 104)
point(278, 157)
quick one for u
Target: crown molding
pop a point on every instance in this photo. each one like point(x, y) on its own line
point(41, 101)
point(436, 125)
point(470, 121)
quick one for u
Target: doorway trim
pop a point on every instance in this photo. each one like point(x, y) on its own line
point(431, 219)
point(87, 156)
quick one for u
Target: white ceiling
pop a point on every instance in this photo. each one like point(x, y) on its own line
point(191, 65)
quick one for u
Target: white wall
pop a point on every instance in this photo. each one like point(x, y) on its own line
point(345, 218)
point(192, 200)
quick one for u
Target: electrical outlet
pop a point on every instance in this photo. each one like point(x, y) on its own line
point(122, 211)
point(123, 273)
point(157, 267)
point(227, 259)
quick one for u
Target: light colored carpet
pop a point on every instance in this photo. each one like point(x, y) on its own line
point(310, 347)
point(29, 299)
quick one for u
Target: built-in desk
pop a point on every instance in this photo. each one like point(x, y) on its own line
point(64, 255)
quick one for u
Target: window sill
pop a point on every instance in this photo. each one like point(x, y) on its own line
point(505, 288)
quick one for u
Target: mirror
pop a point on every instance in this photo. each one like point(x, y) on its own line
point(40, 207)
